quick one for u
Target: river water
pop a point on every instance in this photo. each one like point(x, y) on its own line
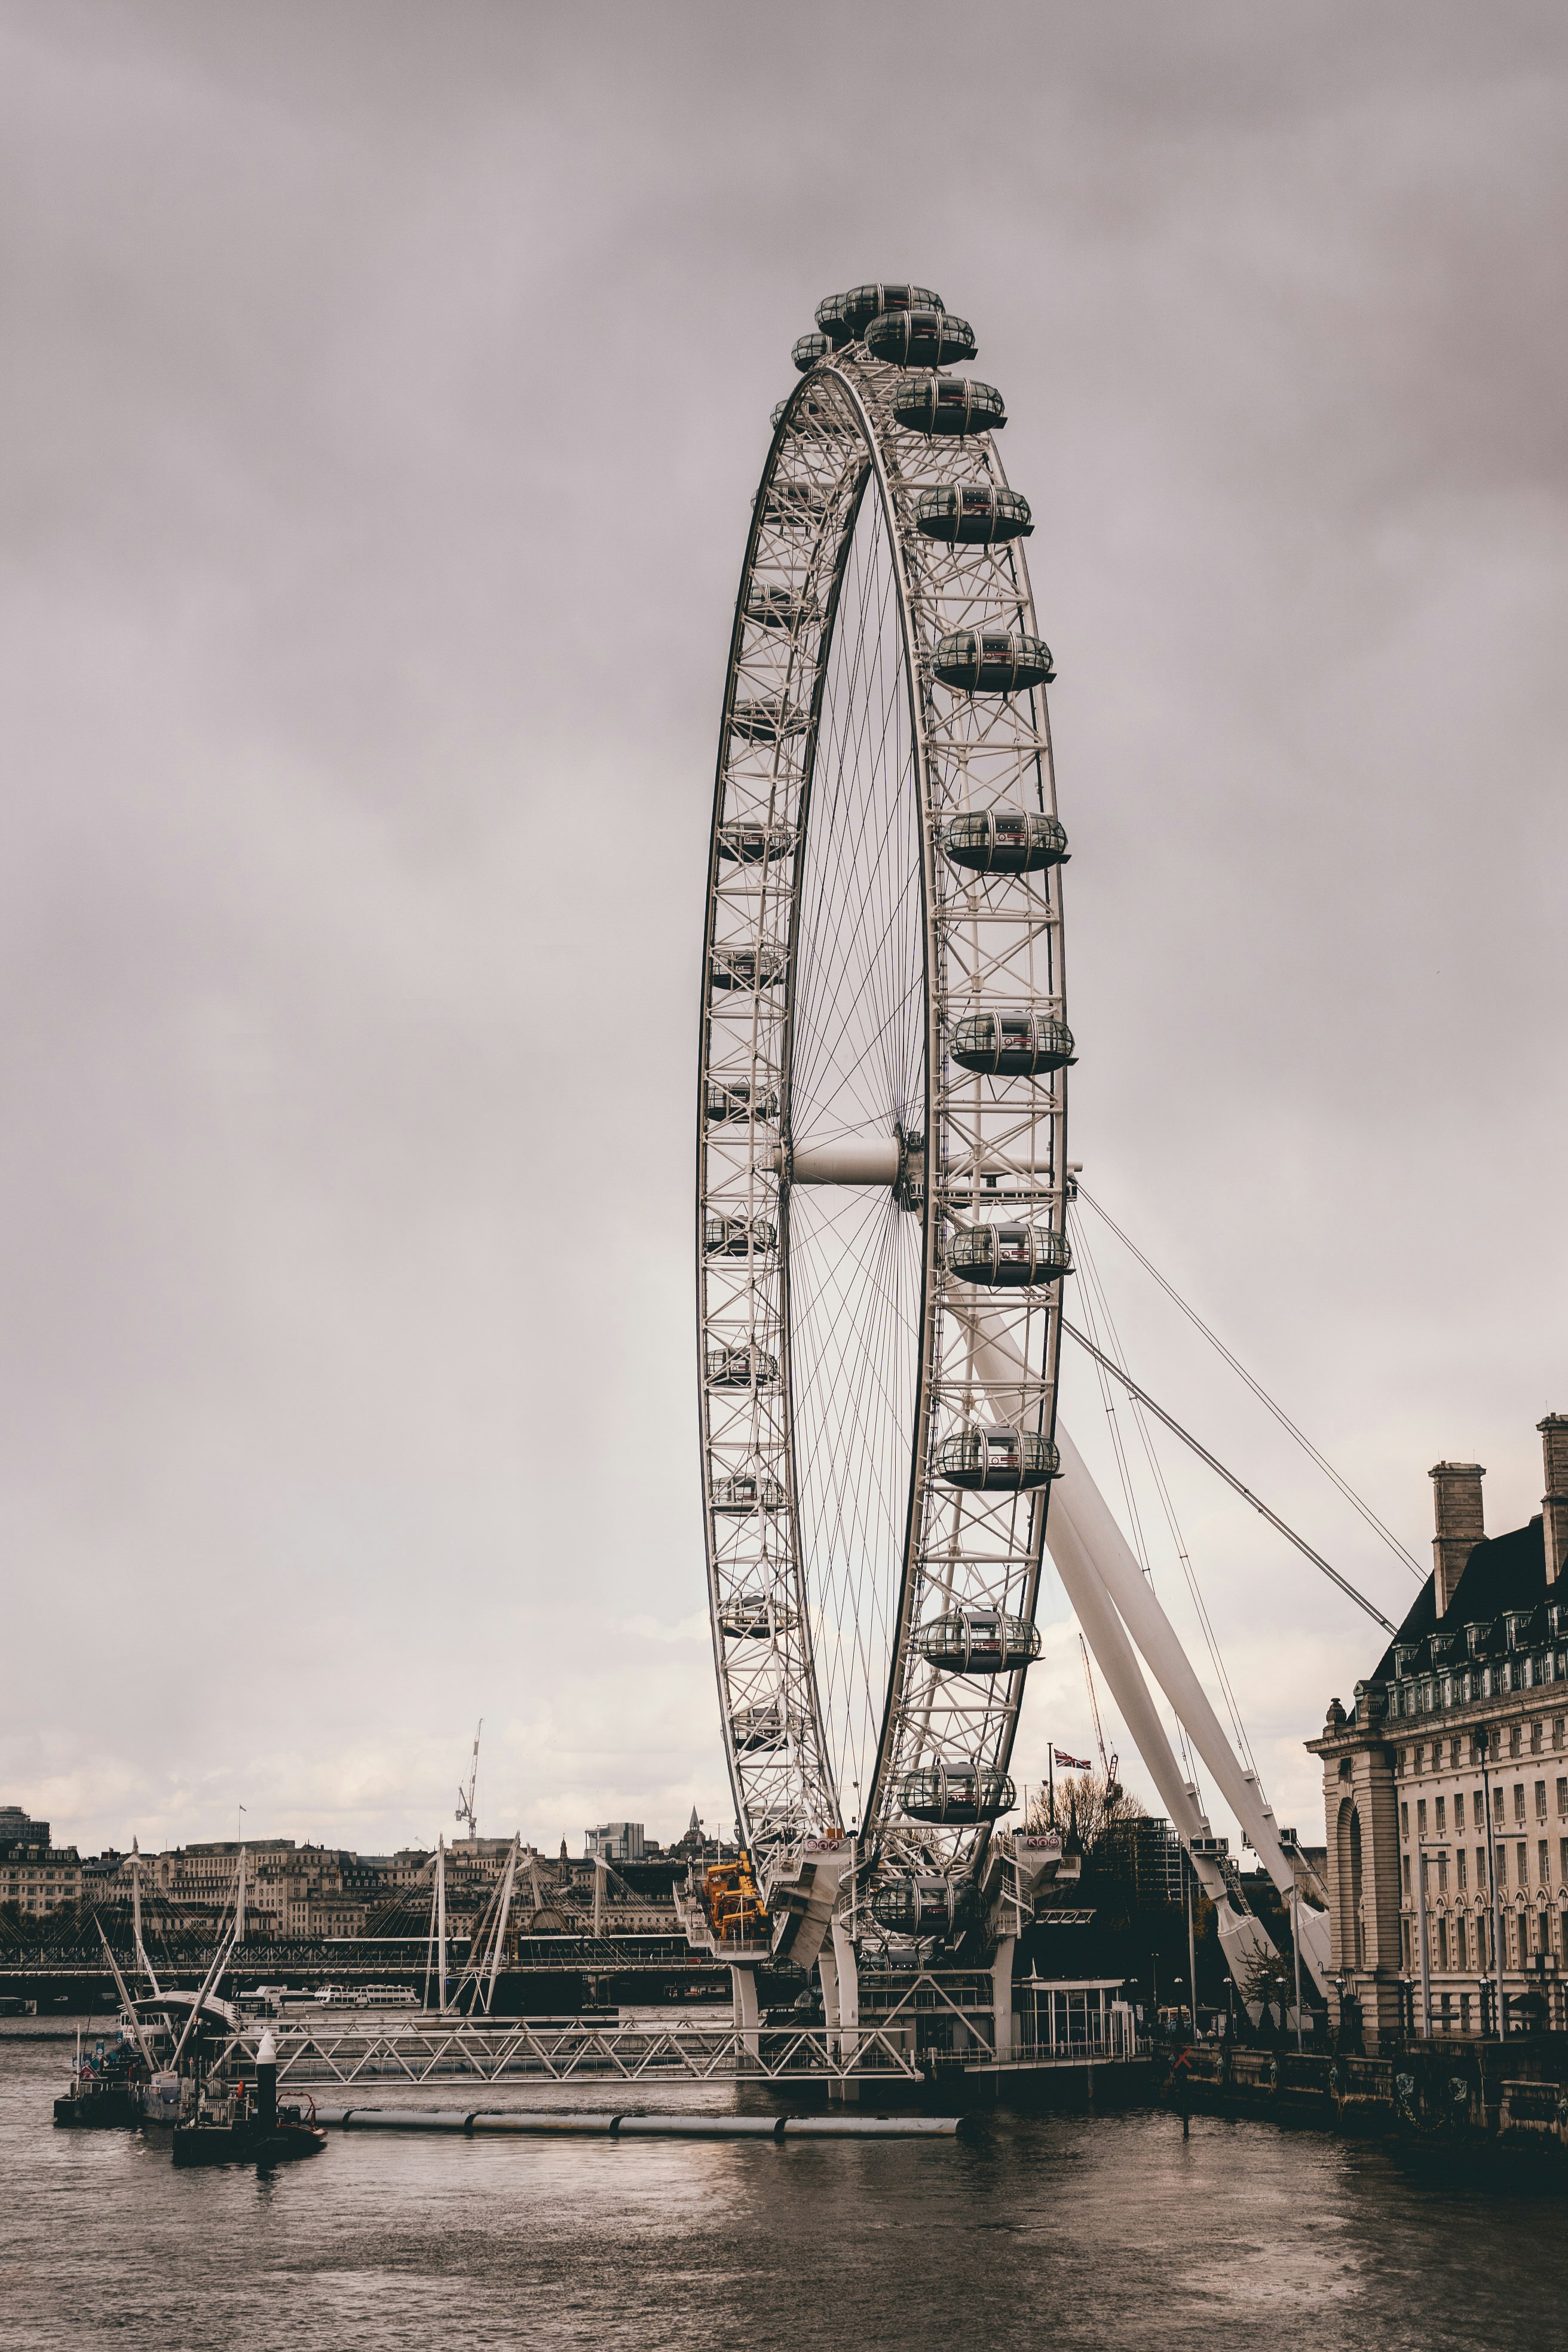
point(1044, 2231)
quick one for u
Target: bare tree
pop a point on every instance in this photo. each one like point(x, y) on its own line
point(1088, 1805)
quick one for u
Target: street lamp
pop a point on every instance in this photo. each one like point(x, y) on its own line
point(1483, 1746)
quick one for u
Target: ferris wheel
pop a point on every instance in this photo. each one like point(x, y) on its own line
point(881, 1148)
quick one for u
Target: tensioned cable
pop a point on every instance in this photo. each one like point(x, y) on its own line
point(1174, 1426)
point(1094, 1289)
point(1260, 1391)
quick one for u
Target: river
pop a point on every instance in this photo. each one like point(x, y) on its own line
point(1047, 2230)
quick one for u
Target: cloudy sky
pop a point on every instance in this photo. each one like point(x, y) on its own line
point(384, 388)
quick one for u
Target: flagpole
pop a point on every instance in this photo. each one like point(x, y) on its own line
point(1051, 1768)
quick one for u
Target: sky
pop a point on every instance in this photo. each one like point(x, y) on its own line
point(383, 390)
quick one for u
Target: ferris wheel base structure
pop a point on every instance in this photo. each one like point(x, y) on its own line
point(882, 1185)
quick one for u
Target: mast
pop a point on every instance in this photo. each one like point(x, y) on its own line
point(441, 1922)
point(498, 1945)
point(142, 1962)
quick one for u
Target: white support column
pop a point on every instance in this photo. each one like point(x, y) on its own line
point(1002, 2000)
point(743, 1992)
point(848, 2004)
point(1152, 1630)
point(1241, 1935)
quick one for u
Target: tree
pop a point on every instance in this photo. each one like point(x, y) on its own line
point(1267, 1982)
point(1088, 1806)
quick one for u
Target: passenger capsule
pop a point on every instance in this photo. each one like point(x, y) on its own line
point(799, 505)
point(922, 1906)
point(977, 1641)
point(977, 515)
point(747, 843)
point(781, 608)
point(949, 404)
point(994, 661)
point(845, 317)
point(923, 339)
point(755, 1729)
point(741, 1367)
point(997, 1461)
point(730, 1100)
point(1006, 1044)
point(1008, 1257)
point(809, 348)
point(956, 1793)
point(754, 1617)
point(747, 967)
point(1003, 841)
point(748, 1491)
point(769, 718)
point(738, 1237)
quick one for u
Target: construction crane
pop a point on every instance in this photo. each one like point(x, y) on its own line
point(1108, 1764)
point(466, 1796)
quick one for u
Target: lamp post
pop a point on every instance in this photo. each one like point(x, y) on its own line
point(1424, 1846)
point(1483, 1746)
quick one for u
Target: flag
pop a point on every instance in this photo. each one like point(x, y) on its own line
point(1073, 1763)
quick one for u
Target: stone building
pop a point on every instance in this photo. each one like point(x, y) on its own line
point(1453, 1763)
point(37, 1875)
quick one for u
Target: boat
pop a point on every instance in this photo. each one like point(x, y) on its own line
point(246, 2125)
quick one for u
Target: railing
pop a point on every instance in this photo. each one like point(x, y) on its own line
point(452, 2049)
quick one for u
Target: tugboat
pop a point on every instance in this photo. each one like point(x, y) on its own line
point(106, 2088)
point(243, 2127)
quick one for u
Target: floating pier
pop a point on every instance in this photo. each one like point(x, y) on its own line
point(582, 2124)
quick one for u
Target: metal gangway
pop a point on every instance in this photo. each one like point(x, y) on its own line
point(435, 2049)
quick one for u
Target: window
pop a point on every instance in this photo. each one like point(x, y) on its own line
point(1540, 1800)
point(1464, 1869)
point(1502, 1865)
point(1441, 1810)
point(1536, 1730)
point(1562, 1796)
point(1481, 1869)
point(1404, 1935)
point(1521, 1854)
point(1557, 1731)
point(1459, 1811)
point(1443, 1944)
point(1543, 1864)
point(1420, 1816)
point(1519, 1801)
point(1405, 1821)
point(1514, 1742)
point(1562, 1860)
point(1404, 1873)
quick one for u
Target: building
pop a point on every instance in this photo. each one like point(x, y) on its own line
point(1453, 1764)
point(616, 1842)
point(36, 1875)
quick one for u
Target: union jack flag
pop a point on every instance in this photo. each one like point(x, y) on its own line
point(1072, 1763)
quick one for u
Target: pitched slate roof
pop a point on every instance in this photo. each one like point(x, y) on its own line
point(1501, 1572)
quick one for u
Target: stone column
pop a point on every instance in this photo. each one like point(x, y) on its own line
point(1457, 1495)
point(1362, 1816)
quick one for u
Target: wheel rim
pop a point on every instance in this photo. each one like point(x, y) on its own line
point(865, 1353)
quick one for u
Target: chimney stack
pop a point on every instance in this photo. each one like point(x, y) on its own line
point(1554, 1502)
point(1457, 1495)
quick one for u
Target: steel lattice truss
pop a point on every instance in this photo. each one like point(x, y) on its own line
point(839, 1352)
point(452, 2050)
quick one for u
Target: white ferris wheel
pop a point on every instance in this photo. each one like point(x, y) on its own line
point(883, 1126)
point(883, 1184)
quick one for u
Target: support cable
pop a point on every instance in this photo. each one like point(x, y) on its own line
point(1305, 1549)
point(1385, 1533)
point(1095, 1303)
point(1091, 1275)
